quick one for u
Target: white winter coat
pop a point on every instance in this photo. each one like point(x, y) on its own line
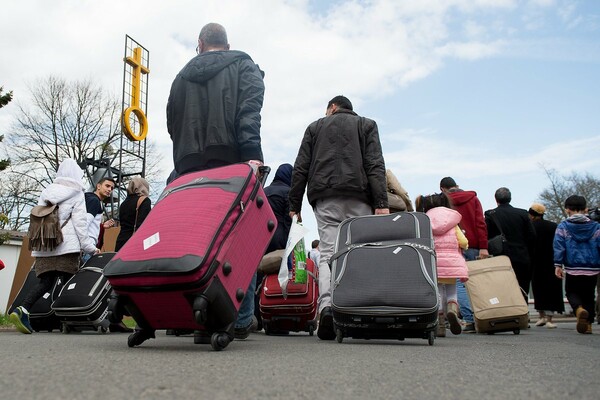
point(70, 199)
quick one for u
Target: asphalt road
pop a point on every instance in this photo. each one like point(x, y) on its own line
point(539, 363)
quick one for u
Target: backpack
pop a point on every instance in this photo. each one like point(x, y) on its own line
point(45, 230)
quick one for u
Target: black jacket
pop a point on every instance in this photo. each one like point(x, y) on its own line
point(277, 194)
point(340, 155)
point(127, 217)
point(518, 230)
point(213, 113)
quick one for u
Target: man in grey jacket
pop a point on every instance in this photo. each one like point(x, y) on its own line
point(213, 117)
point(341, 164)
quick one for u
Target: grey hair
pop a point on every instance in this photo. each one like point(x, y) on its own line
point(213, 34)
point(503, 195)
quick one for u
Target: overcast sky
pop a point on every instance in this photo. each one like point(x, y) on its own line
point(485, 91)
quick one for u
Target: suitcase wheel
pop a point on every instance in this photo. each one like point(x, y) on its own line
point(339, 335)
point(517, 331)
point(431, 338)
point(200, 308)
point(66, 329)
point(311, 330)
point(219, 340)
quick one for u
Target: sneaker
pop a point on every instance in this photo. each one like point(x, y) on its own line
point(582, 322)
point(452, 316)
point(469, 327)
point(550, 325)
point(20, 318)
point(325, 329)
point(541, 322)
point(243, 332)
point(589, 329)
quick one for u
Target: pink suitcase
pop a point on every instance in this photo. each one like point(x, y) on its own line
point(189, 264)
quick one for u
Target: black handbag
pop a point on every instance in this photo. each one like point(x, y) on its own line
point(496, 244)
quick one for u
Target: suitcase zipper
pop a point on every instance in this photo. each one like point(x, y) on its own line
point(355, 219)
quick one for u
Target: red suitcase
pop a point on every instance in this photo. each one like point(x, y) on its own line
point(189, 264)
point(297, 312)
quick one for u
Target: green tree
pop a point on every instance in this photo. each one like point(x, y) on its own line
point(563, 186)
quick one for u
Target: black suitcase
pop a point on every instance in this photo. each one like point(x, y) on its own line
point(83, 301)
point(384, 281)
point(41, 315)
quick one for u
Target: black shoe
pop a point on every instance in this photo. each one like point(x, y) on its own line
point(120, 327)
point(325, 330)
point(243, 333)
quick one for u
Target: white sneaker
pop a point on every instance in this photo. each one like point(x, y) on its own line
point(541, 322)
point(550, 325)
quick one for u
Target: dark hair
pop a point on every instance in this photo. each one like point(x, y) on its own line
point(101, 181)
point(315, 243)
point(213, 34)
point(341, 102)
point(447, 183)
point(576, 203)
point(426, 203)
point(503, 195)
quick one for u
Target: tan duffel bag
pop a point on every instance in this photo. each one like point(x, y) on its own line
point(270, 262)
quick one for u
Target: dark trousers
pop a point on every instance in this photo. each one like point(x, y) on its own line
point(581, 291)
point(523, 273)
point(45, 285)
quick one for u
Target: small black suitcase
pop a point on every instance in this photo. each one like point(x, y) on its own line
point(384, 280)
point(83, 301)
point(41, 315)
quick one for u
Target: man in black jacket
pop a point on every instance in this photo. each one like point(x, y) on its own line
point(213, 117)
point(213, 113)
point(341, 162)
point(519, 233)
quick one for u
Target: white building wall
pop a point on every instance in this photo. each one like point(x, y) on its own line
point(9, 254)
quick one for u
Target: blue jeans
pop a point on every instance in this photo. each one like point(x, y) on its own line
point(247, 307)
point(463, 297)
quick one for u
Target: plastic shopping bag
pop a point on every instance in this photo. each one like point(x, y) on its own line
point(297, 232)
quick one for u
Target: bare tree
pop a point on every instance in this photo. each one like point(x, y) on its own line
point(17, 194)
point(563, 186)
point(66, 119)
point(4, 100)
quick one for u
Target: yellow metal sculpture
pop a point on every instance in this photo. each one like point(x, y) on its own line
point(137, 70)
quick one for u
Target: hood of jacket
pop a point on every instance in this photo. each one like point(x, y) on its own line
point(205, 66)
point(284, 174)
point(460, 197)
point(581, 227)
point(59, 191)
point(443, 219)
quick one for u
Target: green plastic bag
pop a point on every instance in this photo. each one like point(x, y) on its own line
point(300, 262)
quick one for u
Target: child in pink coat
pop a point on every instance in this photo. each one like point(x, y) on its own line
point(449, 240)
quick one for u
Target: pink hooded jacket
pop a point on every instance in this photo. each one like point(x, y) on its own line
point(450, 261)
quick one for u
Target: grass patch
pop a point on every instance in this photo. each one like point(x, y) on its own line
point(129, 322)
point(4, 320)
